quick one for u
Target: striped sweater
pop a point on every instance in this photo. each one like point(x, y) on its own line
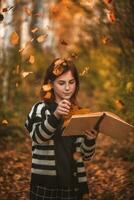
point(42, 126)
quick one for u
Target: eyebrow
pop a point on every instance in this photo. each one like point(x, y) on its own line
point(64, 80)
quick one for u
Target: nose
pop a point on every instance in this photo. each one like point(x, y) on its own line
point(67, 86)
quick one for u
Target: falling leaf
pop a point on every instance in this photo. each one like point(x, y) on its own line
point(28, 11)
point(105, 40)
point(119, 104)
point(24, 74)
point(85, 71)
point(111, 16)
point(1, 17)
point(47, 95)
point(41, 38)
point(21, 50)
point(14, 38)
point(34, 30)
point(63, 42)
point(47, 87)
point(58, 68)
point(4, 122)
point(32, 59)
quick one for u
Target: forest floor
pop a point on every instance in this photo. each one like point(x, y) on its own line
point(110, 173)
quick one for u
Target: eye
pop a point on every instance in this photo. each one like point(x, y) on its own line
point(61, 83)
point(72, 82)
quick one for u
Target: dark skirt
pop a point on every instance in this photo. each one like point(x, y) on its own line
point(44, 193)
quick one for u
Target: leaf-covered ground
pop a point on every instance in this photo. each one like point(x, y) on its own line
point(110, 174)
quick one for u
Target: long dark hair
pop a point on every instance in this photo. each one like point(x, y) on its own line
point(58, 67)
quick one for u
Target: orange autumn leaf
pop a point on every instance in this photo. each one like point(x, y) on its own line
point(21, 50)
point(34, 30)
point(28, 11)
point(85, 71)
point(24, 74)
point(58, 70)
point(32, 59)
point(119, 104)
point(14, 38)
point(47, 87)
point(47, 95)
point(111, 16)
point(105, 40)
point(4, 122)
point(41, 38)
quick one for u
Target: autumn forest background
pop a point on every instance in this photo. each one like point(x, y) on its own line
point(99, 36)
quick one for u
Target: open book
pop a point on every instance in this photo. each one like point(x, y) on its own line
point(111, 125)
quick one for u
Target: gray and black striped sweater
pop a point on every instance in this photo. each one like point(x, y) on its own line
point(52, 155)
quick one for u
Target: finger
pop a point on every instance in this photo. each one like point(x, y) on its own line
point(64, 101)
point(64, 110)
point(65, 106)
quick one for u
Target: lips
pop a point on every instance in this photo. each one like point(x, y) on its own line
point(67, 93)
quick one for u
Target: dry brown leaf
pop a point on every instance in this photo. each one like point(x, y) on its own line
point(34, 30)
point(58, 70)
point(47, 87)
point(4, 122)
point(105, 40)
point(119, 104)
point(24, 74)
point(47, 95)
point(85, 71)
point(111, 16)
point(28, 11)
point(32, 59)
point(14, 38)
point(42, 38)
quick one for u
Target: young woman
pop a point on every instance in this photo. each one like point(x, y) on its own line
point(58, 170)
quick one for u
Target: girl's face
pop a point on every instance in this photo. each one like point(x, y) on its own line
point(64, 86)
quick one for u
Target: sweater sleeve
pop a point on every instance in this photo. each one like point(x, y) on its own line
point(41, 124)
point(88, 148)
